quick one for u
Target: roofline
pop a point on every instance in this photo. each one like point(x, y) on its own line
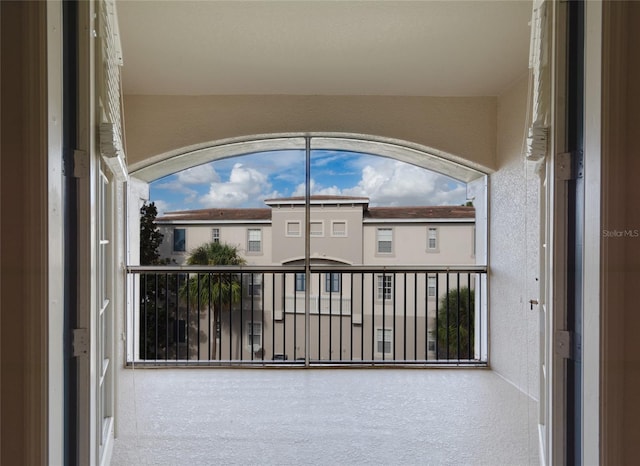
point(419, 220)
point(212, 222)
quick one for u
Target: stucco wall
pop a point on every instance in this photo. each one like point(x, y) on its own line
point(461, 126)
point(513, 249)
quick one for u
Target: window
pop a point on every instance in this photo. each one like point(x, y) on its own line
point(254, 240)
point(179, 240)
point(432, 239)
point(431, 290)
point(253, 284)
point(385, 286)
point(215, 235)
point(301, 281)
point(293, 228)
point(179, 333)
point(254, 335)
point(332, 282)
point(316, 228)
point(383, 340)
point(338, 228)
point(385, 240)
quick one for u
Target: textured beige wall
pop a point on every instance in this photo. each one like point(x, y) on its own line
point(513, 249)
point(462, 126)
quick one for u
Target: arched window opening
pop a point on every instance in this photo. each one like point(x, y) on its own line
point(319, 254)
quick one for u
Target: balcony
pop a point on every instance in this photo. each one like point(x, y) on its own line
point(318, 416)
point(355, 315)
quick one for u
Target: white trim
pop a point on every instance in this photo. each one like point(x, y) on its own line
point(293, 235)
point(346, 229)
point(418, 220)
point(321, 234)
point(213, 222)
point(592, 233)
point(167, 163)
point(321, 202)
point(55, 249)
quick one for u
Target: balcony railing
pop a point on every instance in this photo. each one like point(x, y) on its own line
point(193, 315)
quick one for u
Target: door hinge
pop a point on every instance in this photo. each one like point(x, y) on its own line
point(569, 165)
point(563, 166)
point(563, 344)
point(80, 342)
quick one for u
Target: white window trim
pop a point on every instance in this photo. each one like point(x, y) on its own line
point(346, 230)
point(380, 289)
point(390, 253)
point(213, 237)
point(435, 286)
point(248, 332)
point(382, 331)
point(293, 222)
point(259, 252)
point(437, 238)
point(321, 222)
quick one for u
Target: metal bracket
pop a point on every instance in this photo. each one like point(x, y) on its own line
point(563, 166)
point(80, 342)
point(563, 344)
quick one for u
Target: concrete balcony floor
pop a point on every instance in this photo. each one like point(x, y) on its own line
point(323, 416)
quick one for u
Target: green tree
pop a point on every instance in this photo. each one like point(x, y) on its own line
point(456, 318)
point(158, 300)
point(150, 236)
point(213, 290)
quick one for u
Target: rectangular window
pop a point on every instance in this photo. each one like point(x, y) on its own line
point(338, 228)
point(254, 240)
point(383, 340)
point(301, 282)
point(316, 228)
point(254, 335)
point(179, 240)
point(332, 282)
point(293, 229)
point(385, 240)
point(432, 287)
point(179, 333)
point(215, 235)
point(385, 287)
point(253, 284)
point(432, 239)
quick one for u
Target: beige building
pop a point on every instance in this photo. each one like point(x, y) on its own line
point(366, 315)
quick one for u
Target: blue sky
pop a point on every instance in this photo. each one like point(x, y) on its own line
point(247, 180)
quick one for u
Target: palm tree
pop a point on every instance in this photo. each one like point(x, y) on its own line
point(211, 291)
point(456, 324)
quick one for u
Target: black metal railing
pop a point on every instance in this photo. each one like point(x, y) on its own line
point(279, 315)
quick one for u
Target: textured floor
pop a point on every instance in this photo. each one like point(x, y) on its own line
point(346, 416)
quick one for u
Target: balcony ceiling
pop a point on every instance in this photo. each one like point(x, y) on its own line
point(437, 48)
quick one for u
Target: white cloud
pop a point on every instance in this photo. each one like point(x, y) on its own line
point(198, 175)
point(393, 183)
point(246, 187)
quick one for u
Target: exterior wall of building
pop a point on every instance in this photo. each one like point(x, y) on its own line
point(232, 234)
point(326, 245)
point(454, 244)
point(513, 250)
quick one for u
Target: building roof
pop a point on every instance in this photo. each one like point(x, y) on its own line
point(218, 214)
point(417, 212)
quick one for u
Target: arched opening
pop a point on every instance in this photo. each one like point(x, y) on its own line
point(411, 272)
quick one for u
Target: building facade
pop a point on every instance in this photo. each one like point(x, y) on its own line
point(367, 315)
